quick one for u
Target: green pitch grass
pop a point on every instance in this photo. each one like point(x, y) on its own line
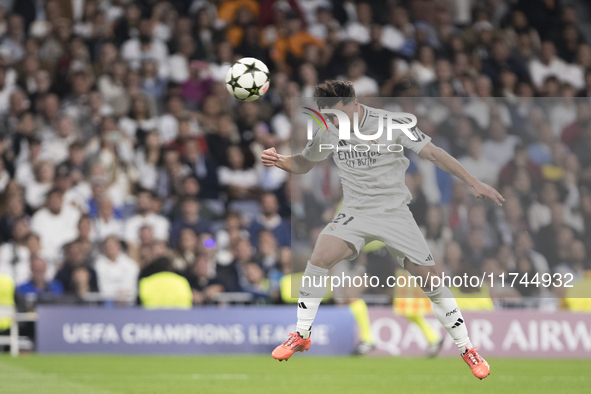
point(37, 374)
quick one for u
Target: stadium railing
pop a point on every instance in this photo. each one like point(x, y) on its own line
point(233, 298)
point(13, 340)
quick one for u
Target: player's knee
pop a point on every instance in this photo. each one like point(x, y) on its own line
point(320, 260)
point(438, 294)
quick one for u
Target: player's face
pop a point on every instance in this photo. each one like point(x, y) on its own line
point(349, 109)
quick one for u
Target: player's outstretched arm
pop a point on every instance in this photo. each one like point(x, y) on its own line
point(447, 163)
point(297, 164)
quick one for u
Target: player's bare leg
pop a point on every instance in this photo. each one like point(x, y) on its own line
point(449, 315)
point(328, 251)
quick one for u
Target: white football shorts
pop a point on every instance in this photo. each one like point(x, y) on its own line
point(395, 227)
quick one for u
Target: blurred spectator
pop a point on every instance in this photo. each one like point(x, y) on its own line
point(540, 151)
point(364, 85)
point(7, 294)
point(549, 234)
point(239, 182)
point(106, 223)
point(189, 219)
point(56, 224)
point(179, 62)
point(164, 289)
point(294, 43)
point(524, 247)
point(169, 122)
point(546, 65)
point(418, 205)
point(256, 283)
point(203, 285)
point(171, 174)
point(513, 222)
point(185, 252)
point(500, 147)
point(501, 60)
point(477, 220)
point(526, 267)
point(198, 86)
point(56, 146)
point(481, 167)
point(39, 285)
point(147, 159)
point(35, 191)
point(232, 276)
point(520, 26)
point(146, 216)
point(423, 68)
point(267, 256)
point(581, 145)
point(520, 161)
point(82, 283)
point(203, 167)
point(138, 121)
point(436, 233)
point(453, 258)
point(475, 250)
point(232, 230)
point(15, 255)
point(145, 45)
point(270, 220)
point(117, 274)
point(153, 85)
point(573, 131)
point(540, 212)
point(15, 209)
point(25, 172)
point(73, 280)
point(577, 262)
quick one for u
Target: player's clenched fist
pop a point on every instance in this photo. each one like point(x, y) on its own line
point(269, 157)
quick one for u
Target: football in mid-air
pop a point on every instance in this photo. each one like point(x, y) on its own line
point(248, 79)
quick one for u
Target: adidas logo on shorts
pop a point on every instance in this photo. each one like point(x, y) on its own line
point(458, 323)
point(429, 258)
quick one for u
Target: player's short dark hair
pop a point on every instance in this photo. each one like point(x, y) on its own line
point(326, 92)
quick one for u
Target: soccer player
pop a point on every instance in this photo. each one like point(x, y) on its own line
point(374, 208)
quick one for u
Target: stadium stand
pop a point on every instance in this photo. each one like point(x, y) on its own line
point(121, 145)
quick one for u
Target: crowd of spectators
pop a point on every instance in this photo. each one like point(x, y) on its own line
point(120, 143)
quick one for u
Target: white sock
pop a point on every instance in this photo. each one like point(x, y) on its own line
point(449, 315)
point(312, 292)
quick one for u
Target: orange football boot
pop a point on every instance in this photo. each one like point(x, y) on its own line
point(295, 343)
point(477, 364)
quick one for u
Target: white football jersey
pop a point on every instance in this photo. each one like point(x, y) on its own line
point(372, 180)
